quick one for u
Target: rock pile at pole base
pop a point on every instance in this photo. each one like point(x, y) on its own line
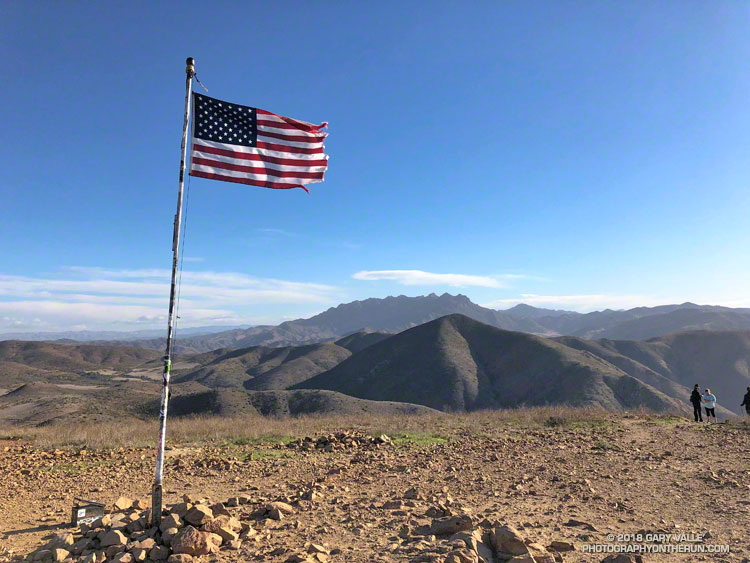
point(349, 440)
point(188, 530)
point(196, 527)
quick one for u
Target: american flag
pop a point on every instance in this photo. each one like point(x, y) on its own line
point(235, 143)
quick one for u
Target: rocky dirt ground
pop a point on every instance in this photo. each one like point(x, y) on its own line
point(452, 493)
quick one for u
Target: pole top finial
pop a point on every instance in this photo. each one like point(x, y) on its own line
point(190, 66)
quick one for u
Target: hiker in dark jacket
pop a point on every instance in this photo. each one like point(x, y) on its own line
point(696, 399)
point(746, 401)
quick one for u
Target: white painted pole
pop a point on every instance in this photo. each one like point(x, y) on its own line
point(156, 499)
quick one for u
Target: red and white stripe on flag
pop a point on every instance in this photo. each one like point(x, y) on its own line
point(235, 143)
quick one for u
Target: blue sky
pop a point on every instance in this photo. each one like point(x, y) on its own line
point(576, 155)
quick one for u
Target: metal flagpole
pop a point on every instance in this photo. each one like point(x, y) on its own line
point(156, 499)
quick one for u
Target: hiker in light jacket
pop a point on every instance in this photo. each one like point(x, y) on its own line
point(709, 401)
point(696, 399)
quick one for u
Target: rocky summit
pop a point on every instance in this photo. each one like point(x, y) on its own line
point(531, 486)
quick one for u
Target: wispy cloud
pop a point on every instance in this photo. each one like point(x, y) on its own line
point(267, 231)
point(97, 296)
point(419, 277)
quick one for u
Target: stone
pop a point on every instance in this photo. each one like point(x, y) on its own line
point(282, 507)
point(194, 542)
point(123, 557)
point(102, 522)
point(508, 540)
point(114, 550)
point(43, 555)
point(539, 553)
point(317, 548)
point(219, 509)
point(198, 515)
point(80, 546)
point(235, 544)
point(168, 535)
point(451, 525)
point(123, 503)
point(393, 504)
point(224, 526)
point(222, 520)
point(171, 521)
point(139, 554)
point(475, 542)
point(60, 554)
point(580, 523)
point(113, 537)
point(461, 556)
point(61, 541)
point(181, 509)
point(275, 514)
point(136, 526)
point(180, 558)
point(93, 558)
point(562, 546)
point(413, 494)
point(158, 553)
point(148, 543)
point(312, 495)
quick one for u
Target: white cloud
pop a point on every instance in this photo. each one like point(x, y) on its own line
point(276, 232)
point(99, 297)
point(418, 277)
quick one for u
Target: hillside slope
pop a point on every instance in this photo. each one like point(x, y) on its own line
point(233, 402)
point(716, 359)
point(264, 368)
point(25, 362)
point(456, 363)
point(680, 320)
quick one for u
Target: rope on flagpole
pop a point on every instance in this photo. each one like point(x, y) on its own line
point(182, 262)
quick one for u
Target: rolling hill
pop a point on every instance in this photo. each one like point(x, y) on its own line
point(674, 363)
point(230, 402)
point(453, 363)
point(457, 363)
point(24, 362)
point(260, 368)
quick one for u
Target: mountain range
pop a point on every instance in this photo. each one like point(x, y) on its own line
point(453, 363)
point(395, 314)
